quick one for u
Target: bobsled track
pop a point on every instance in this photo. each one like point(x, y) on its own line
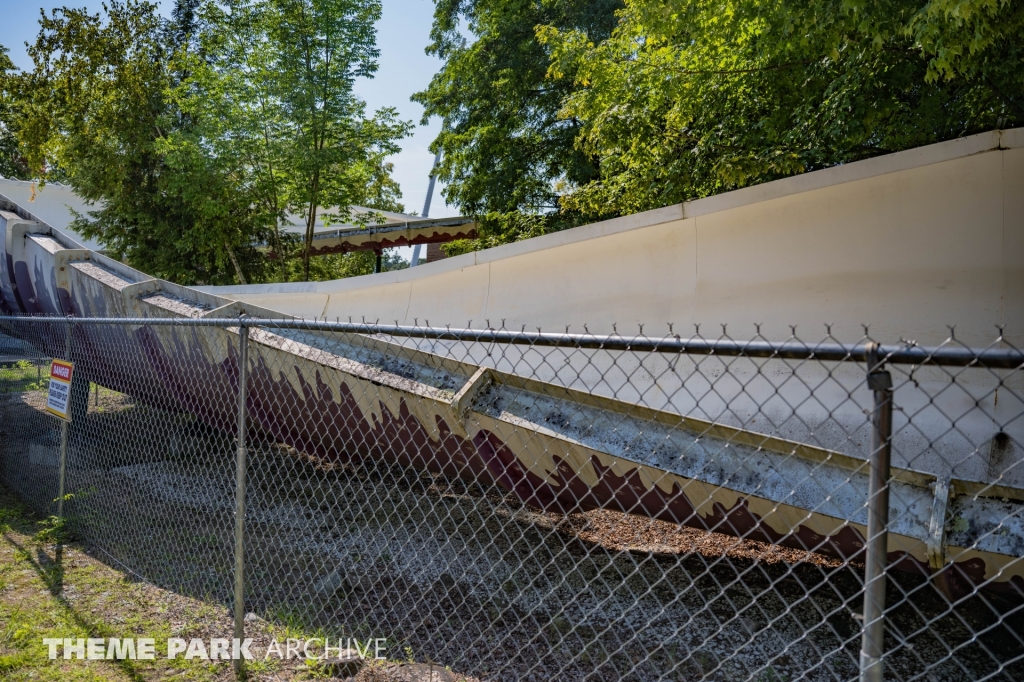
point(910, 243)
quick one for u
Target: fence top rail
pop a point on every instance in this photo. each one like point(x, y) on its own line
point(949, 354)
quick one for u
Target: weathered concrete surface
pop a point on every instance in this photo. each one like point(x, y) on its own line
point(910, 243)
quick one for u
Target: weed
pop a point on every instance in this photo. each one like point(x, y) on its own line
point(54, 530)
point(21, 377)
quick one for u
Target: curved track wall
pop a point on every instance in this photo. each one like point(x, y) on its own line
point(909, 242)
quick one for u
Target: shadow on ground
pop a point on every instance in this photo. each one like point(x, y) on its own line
point(463, 575)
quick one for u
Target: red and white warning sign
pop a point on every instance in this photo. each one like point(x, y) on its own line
point(58, 398)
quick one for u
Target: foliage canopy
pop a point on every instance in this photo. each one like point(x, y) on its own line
point(96, 112)
point(12, 163)
point(690, 99)
point(654, 102)
point(504, 147)
point(195, 137)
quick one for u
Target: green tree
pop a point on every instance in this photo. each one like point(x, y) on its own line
point(690, 99)
point(271, 89)
point(236, 116)
point(341, 265)
point(336, 153)
point(12, 163)
point(194, 137)
point(96, 112)
point(504, 148)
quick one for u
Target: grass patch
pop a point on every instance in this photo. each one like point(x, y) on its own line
point(53, 590)
point(49, 590)
point(22, 376)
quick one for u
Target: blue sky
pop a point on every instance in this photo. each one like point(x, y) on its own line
point(402, 34)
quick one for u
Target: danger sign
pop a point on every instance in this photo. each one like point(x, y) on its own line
point(59, 396)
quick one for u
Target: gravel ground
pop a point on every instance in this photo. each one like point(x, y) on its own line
point(464, 575)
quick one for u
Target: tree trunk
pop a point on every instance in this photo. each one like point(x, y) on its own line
point(234, 261)
point(310, 222)
point(308, 246)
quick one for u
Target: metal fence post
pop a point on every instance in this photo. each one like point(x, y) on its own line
point(872, 650)
point(62, 462)
point(240, 464)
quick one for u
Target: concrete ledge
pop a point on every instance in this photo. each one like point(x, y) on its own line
point(851, 172)
point(1011, 139)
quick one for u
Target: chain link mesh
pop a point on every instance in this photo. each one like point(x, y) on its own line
point(519, 511)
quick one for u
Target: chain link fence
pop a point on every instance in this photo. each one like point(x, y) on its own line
point(529, 506)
